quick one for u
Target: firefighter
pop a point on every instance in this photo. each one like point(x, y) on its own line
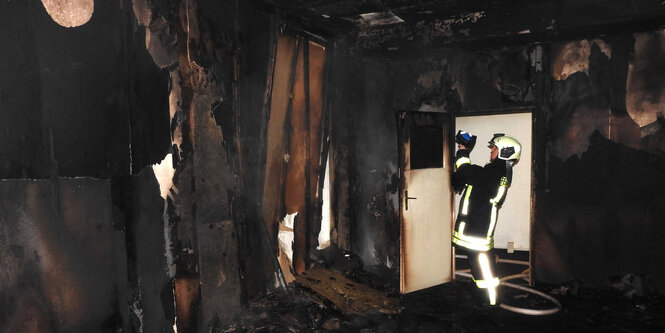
point(483, 191)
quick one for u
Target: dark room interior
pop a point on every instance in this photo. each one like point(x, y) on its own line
point(285, 165)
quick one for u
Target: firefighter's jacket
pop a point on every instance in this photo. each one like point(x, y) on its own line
point(483, 191)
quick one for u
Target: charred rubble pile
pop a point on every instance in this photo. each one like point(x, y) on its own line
point(335, 295)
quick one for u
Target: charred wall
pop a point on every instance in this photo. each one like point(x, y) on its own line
point(365, 128)
point(218, 57)
point(64, 86)
point(76, 102)
point(63, 257)
point(599, 211)
point(258, 32)
point(597, 136)
point(109, 99)
point(346, 94)
point(95, 100)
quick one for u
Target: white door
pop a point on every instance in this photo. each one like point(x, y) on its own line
point(426, 207)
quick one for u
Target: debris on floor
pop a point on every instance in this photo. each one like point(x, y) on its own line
point(348, 296)
point(340, 295)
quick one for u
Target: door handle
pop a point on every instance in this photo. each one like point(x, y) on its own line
point(406, 202)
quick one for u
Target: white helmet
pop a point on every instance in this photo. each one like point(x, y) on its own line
point(509, 148)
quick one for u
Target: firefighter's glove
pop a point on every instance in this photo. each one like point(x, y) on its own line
point(465, 139)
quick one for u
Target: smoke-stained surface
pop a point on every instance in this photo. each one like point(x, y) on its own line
point(150, 277)
point(376, 140)
point(347, 85)
point(589, 98)
point(573, 57)
point(601, 210)
point(645, 86)
point(63, 264)
point(257, 31)
point(590, 186)
point(602, 216)
point(62, 87)
point(83, 101)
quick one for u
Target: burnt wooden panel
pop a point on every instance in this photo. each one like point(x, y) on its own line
point(273, 192)
point(220, 281)
point(348, 296)
point(187, 297)
point(317, 59)
point(214, 185)
point(294, 195)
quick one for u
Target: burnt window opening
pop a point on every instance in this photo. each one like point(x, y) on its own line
point(426, 147)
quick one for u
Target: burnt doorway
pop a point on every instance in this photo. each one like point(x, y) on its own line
point(513, 228)
point(425, 200)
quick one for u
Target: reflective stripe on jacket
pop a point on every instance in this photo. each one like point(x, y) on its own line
point(483, 191)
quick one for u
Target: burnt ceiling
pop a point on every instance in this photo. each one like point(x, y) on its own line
point(330, 17)
point(393, 23)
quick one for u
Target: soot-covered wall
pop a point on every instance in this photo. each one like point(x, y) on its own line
point(599, 211)
point(65, 86)
point(85, 101)
point(367, 99)
point(598, 146)
point(109, 99)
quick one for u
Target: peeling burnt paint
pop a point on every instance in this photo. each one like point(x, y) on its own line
point(585, 102)
point(573, 57)
point(645, 84)
point(593, 140)
point(160, 34)
point(208, 68)
point(580, 106)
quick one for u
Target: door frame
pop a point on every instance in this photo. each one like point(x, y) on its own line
point(533, 109)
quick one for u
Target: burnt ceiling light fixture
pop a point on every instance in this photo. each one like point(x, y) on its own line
point(70, 13)
point(376, 19)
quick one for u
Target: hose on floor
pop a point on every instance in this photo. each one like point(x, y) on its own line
point(526, 311)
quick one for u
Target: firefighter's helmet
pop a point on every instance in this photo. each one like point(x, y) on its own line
point(509, 148)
